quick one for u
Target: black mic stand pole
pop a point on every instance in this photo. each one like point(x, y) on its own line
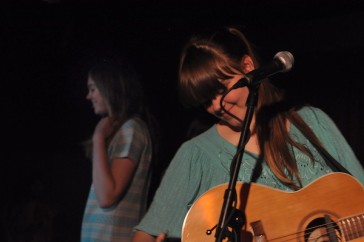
point(230, 194)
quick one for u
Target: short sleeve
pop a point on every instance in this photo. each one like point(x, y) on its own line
point(129, 141)
point(173, 197)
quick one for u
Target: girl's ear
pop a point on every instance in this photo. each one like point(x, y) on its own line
point(247, 64)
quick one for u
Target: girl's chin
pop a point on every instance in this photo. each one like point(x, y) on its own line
point(236, 126)
point(99, 113)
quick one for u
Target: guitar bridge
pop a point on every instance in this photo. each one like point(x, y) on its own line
point(258, 231)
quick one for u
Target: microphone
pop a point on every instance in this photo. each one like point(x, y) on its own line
point(282, 62)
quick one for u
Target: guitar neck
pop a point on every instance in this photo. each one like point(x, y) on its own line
point(352, 227)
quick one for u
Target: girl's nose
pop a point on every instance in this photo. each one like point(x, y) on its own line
point(215, 104)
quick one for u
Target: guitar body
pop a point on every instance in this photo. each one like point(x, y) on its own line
point(335, 199)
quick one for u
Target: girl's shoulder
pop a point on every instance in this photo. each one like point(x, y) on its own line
point(134, 122)
point(311, 113)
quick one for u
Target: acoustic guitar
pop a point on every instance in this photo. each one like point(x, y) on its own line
point(329, 209)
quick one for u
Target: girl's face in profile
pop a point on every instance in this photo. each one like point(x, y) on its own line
point(93, 95)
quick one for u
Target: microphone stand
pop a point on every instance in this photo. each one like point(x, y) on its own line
point(236, 219)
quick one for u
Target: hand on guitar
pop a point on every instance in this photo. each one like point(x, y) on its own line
point(141, 236)
point(161, 237)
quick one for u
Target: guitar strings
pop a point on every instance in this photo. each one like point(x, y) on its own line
point(299, 234)
point(348, 228)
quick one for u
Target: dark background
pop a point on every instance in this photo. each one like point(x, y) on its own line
point(46, 47)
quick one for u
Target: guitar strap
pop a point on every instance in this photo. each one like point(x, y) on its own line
point(330, 161)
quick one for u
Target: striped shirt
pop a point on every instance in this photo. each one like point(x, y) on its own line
point(115, 224)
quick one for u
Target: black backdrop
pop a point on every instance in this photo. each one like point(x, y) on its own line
point(46, 48)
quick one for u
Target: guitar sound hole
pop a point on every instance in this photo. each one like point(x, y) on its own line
point(317, 230)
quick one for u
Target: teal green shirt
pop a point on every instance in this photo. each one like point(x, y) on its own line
point(204, 162)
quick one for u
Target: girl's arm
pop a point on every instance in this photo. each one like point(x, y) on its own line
point(109, 181)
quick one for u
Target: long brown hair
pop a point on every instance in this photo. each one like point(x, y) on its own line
point(120, 85)
point(213, 56)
